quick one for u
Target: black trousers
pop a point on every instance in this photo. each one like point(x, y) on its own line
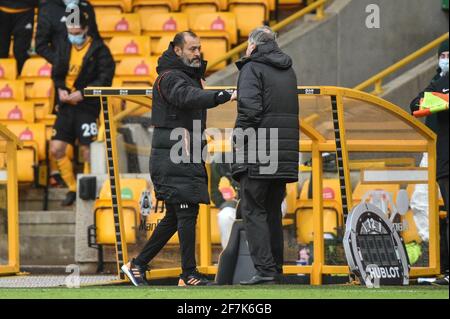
point(444, 187)
point(181, 218)
point(20, 26)
point(260, 207)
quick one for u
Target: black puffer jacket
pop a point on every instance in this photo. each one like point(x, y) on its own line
point(19, 4)
point(439, 85)
point(267, 99)
point(51, 28)
point(178, 100)
point(97, 69)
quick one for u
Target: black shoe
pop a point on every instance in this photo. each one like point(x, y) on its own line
point(441, 281)
point(258, 280)
point(70, 199)
point(137, 274)
point(193, 279)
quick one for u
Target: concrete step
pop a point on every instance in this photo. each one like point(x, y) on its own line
point(47, 237)
point(32, 199)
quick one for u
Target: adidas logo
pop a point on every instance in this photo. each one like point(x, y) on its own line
point(29, 26)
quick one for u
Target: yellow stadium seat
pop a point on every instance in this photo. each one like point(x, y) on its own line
point(138, 70)
point(104, 221)
point(305, 223)
point(33, 138)
point(411, 234)
point(118, 25)
point(41, 93)
point(249, 14)
point(163, 24)
point(131, 190)
point(12, 90)
point(218, 24)
point(129, 46)
point(332, 210)
point(199, 6)
point(153, 6)
point(162, 45)
point(8, 69)
point(21, 112)
point(36, 68)
point(217, 32)
point(122, 5)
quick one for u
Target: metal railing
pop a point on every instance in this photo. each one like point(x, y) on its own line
point(319, 6)
point(377, 80)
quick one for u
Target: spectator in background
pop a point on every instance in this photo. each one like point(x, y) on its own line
point(439, 123)
point(16, 20)
point(80, 62)
point(51, 28)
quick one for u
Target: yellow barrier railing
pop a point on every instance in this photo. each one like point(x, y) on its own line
point(377, 80)
point(317, 143)
point(9, 200)
point(319, 6)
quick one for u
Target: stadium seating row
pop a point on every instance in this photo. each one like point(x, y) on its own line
point(303, 212)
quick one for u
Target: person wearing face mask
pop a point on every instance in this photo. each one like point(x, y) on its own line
point(16, 20)
point(267, 101)
point(51, 33)
point(179, 102)
point(51, 27)
point(81, 62)
point(439, 123)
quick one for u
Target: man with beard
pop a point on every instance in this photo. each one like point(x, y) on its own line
point(179, 103)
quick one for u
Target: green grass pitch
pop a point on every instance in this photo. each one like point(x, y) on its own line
point(229, 292)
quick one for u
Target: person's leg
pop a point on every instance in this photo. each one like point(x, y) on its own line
point(187, 220)
point(254, 214)
point(274, 200)
point(63, 133)
point(23, 33)
point(5, 34)
point(163, 232)
point(444, 187)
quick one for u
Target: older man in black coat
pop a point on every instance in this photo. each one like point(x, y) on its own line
point(267, 121)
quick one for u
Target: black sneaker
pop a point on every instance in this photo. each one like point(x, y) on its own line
point(193, 279)
point(136, 274)
point(70, 199)
point(441, 281)
point(259, 280)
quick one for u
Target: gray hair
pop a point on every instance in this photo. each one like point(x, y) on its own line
point(262, 35)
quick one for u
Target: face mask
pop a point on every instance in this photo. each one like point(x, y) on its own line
point(78, 39)
point(71, 2)
point(443, 64)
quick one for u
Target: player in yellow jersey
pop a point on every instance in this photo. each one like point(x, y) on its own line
point(82, 62)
